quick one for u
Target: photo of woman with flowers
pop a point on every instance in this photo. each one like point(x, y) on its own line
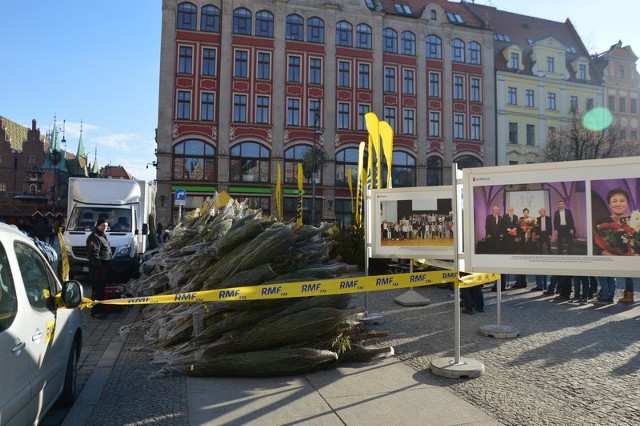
point(616, 232)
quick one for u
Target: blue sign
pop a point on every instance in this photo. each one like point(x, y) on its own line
point(181, 194)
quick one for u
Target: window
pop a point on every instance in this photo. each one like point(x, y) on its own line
point(475, 127)
point(262, 203)
point(264, 24)
point(514, 63)
point(207, 104)
point(408, 122)
point(186, 16)
point(262, 109)
point(363, 36)
point(434, 171)
point(434, 84)
point(408, 82)
point(242, 21)
point(434, 47)
point(457, 46)
point(194, 159)
point(474, 53)
point(633, 107)
point(389, 40)
point(295, 27)
point(403, 170)
point(512, 96)
point(315, 30)
point(620, 71)
point(389, 79)
point(458, 87)
point(315, 71)
point(210, 19)
point(346, 159)
point(390, 117)
point(184, 105)
point(293, 112)
point(475, 90)
point(513, 133)
point(408, 43)
point(364, 81)
point(293, 69)
point(240, 108)
point(362, 110)
point(241, 65)
point(582, 72)
point(186, 59)
point(623, 104)
point(531, 135)
point(249, 162)
point(8, 301)
point(634, 134)
point(458, 126)
point(612, 103)
point(293, 156)
point(529, 99)
point(589, 105)
point(38, 281)
point(264, 66)
point(343, 34)
point(209, 62)
point(433, 15)
point(551, 100)
point(573, 103)
point(551, 66)
point(343, 213)
point(343, 115)
point(434, 124)
point(344, 74)
point(551, 131)
point(623, 134)
point(315, 109)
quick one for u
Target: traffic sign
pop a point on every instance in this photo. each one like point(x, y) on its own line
point(180, 194)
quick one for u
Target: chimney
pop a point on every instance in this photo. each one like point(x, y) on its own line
point(33, 124)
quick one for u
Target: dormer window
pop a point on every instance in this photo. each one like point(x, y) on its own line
point(514, 61)
point(582, 72)
point(433, 15)
point(621, 71)
point(551, 64)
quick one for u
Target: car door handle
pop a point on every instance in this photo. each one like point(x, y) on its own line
point(18, 347)
point(36, 336)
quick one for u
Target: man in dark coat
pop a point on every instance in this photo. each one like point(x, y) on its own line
point(492, 230)
point(99, 255)
point(564, 228)
point(543, 232)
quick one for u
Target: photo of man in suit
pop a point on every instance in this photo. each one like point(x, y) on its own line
point(510, 231)
point(543, 232)
point(564, 228)
point(493, 230)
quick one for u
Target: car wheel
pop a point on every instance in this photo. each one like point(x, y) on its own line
point(70, 378)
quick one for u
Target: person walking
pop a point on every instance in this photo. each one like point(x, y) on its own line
point(100, 273)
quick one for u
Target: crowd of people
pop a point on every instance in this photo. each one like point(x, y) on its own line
point(419, 226)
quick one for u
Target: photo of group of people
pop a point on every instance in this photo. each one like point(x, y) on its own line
point(418, 226)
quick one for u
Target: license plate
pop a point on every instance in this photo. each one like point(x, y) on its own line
point(85, 269)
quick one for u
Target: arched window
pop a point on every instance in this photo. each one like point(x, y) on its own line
point(408, 43)
point(457, 52)
point(433, 15)
point(474, 53)
point(295, 27)
point(293, 156)
point(194, 159)
point(346, 159)
point(363, 36)
point(264, 24)
point(249, 162)
point(403, 170)
point(32, 160)
point(242, 21)
point(390, 40)
point(344, 34)
point(315, 30)
point(33, 189)
point(210, 19)
point(434, 47)
point(434, 171)
point(467, 161)
point(187, 13)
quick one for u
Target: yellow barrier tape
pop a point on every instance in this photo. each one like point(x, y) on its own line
point(343, 285)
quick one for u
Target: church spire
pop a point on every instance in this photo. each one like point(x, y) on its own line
point(95, 169)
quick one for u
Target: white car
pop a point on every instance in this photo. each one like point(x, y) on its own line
point(40, 334)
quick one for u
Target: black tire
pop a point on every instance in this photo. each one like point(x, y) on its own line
point(68, 396)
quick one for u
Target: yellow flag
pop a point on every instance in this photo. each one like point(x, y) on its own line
point(279, 193)
point(300, 193)
point(64, 257)
point(364, 192)
point(372, 124)
point(386, 133)
point(361, 177)
point(350, 183)
point(370, 164)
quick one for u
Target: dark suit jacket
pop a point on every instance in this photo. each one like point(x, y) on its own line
point(547, 225)
point(492, 228)
point(569, 219)
point(508, 223)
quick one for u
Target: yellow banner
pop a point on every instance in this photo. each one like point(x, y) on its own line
point(372, 123)
point(386, 133)
point(279, 192)
point(350, 183)
point(64, 257)
point(300, 193)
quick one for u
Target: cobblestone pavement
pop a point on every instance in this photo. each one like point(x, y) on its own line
point(570, 365)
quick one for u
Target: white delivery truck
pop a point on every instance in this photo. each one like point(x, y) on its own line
point(126, 205)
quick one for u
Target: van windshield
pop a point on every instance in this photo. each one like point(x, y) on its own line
point(85, 218)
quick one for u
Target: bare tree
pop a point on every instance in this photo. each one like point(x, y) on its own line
point(576, 142)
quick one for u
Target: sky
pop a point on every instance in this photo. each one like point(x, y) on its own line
point(97, 62)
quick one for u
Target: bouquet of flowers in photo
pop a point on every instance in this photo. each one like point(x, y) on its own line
point(527, 224)
point(619, 238)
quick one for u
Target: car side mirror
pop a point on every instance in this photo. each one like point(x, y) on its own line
point(71, 294)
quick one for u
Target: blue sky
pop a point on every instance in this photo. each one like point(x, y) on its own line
point(98, 62)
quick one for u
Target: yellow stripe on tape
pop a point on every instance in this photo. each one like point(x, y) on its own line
point(477, 279)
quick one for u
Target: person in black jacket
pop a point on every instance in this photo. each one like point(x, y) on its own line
point(564, 228)
point(99, 255)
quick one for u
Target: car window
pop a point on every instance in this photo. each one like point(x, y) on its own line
point(38, 282)
point(8, 305)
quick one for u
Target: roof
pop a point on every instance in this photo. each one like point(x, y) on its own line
point(16, 132)
point(415, 9)
point(115, 172)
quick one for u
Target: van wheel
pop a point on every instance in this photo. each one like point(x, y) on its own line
point(71, 377)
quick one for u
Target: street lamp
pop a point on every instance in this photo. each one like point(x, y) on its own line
point(316, 135)
point(55, 156)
